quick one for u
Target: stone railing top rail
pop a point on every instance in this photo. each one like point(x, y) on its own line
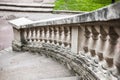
point(110, 12)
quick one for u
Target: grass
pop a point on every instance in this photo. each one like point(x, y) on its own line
point(81, 5)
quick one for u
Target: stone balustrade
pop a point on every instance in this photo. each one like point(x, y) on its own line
point(92, 38)
point(58, 35)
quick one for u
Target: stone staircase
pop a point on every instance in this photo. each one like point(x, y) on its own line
point(26, 7)
point(31, 66)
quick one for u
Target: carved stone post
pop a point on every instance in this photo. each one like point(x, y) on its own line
point(38, 34)
point(25, 34)
point(62, 36)
point(94, 40)
point(74, 39)
point(52, 35)
point(43, 35)
point(87, 34)
point(66, 36)
point(110, 49)
point(18, 39)
point(48, 34)
point(34, 35)
point(102, 42)
point(117, 53)
point(57, 35)
point(29, 35)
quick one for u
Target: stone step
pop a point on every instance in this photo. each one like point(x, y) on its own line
point(5, 55)
point(27, 59)
point(5, 51)
point(33, 5)
point(17, 58)
point(25, 9)
point(64, 78)
point(27, 66)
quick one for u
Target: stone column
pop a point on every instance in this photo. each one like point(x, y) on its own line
point(102, 42)
point(38, 34)
point(117, 53)
point(18, 39)
point(74, 39)
point(110, 49)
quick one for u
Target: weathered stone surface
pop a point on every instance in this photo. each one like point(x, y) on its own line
point(63, 55)
point(31, 66)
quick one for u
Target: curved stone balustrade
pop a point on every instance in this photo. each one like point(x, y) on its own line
point(59, 35)
point(86, 43)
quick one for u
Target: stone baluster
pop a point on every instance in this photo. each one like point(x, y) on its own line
point(66, 29)
point(29, 35)
point(38, 34)
point(87, 35)
point(25, 34)
point(62, 36)
point(52, 35)
point(117, 53)
point(43, 35)
point(34, 35)
point(57, 35)
point(93, 43)
point(110, 48)
point(102, 42)
point(69, 37)
point(48, 35)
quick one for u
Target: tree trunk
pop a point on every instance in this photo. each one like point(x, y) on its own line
point(113, 1)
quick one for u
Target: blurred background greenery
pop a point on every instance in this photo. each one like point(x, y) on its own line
point(81, 5)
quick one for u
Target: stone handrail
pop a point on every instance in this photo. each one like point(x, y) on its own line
point(90, 37)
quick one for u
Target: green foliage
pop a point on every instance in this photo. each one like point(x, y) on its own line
point(81, 5)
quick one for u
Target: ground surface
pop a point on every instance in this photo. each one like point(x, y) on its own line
point(29, 66)
point(6, 34)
